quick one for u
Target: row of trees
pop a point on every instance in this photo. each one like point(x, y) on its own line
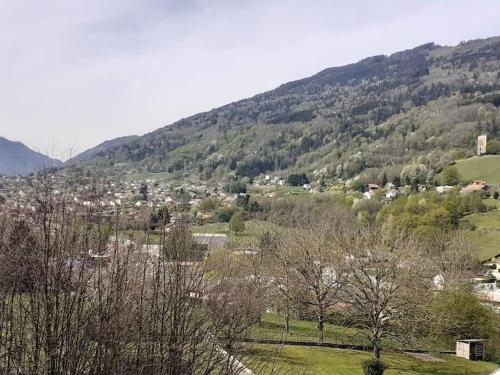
point(323, 264)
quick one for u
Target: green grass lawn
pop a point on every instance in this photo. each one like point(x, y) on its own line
point(488, 242)
point(490, 202)
point(327, 361)
point(487, 233)
point(486, 220)
point(211, 228)
point(272, 327)
point(250, 236)
point(278, 191)
point(485, 168)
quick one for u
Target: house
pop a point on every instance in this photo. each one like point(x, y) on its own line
point(487, 287)
point(443, 189)
point(369, 194)
point(475, 186)
point(471, 349)
point(493, 268)
point(391, 195)
point(370, 191)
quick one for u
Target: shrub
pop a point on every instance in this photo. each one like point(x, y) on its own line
point(236, 224)
point(236, 187)
point(450, 176)
point(374, 366)
point(458, 313)
point(224, 214)
point(297, 179)
point(209, 204)
point(358, 185)
point(466, 225)
point(493, 147)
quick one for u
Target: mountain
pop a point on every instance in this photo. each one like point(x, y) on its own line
point(101, 148)
point(17, 159)
point(425, 105)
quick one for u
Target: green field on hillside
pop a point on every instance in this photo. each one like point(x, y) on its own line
point(327, 361)
point(488, 242)
point(487, 233)
point(484, 168)
point(485, 221)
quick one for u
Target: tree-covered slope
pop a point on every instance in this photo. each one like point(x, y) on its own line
point(102, 148)
point(424, 105)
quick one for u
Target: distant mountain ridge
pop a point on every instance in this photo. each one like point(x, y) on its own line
point(424, 105)
point(18, 159)
point(102, 147)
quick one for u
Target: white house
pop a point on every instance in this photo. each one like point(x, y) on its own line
point(443, 189)
point(369, 194)
point(391, 194)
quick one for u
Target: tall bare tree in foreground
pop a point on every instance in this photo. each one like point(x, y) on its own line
point(308, 247)
point(76, 297)
point(385, 287)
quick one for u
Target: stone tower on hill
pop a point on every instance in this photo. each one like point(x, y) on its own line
point(481, 144)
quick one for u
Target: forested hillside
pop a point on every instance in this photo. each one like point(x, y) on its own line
point(424, 105)
point(102, 148)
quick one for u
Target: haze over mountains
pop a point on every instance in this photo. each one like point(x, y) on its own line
point(18, 159)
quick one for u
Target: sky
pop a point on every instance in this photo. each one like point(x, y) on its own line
point(74, 73)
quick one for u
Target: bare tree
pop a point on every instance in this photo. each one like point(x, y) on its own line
point(386, 285)
point(315, 268)
point(448, 257)
point(77, 297)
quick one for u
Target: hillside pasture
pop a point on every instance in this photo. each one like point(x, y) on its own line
point(487, 233)
point(484, 168)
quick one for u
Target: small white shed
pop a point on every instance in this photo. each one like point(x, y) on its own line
point(471, 349)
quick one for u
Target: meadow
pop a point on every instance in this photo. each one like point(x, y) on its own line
point(484, 168)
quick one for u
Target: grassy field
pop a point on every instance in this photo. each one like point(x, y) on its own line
point(326, 361)
point(486, 221)
point(272, 327)
point(250, 237)
point(487, 233)
point(278, 191)
point(485, 168)
point(488, 242)
point(490, 202)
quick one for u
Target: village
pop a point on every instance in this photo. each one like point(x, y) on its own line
point(207, 204)
point(154, 208)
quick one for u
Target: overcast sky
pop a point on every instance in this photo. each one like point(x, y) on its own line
point(74, 73)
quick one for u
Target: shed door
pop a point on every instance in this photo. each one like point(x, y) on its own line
point(472, 350)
